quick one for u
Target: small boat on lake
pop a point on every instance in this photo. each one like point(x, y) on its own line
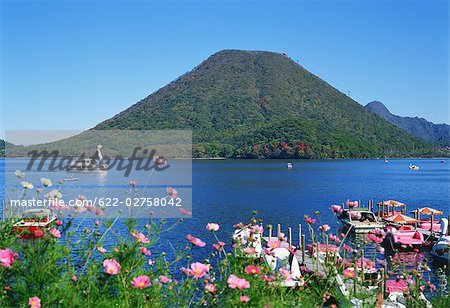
point(393, 213)
point(361, 220)
point(289, 165)
point(428, 225)
point(413, 167)
point(34, 220)
point(405, 237)
point(70, 178)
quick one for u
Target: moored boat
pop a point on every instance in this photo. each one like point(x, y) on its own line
point(429, 224)
point(34, 220)
point(361, 220)
point(404, 237)
point(70, 178)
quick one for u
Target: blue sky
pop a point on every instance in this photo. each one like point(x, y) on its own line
point(70, 65)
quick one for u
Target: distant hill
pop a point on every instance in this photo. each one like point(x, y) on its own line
point(263, 104)
point(435, 133)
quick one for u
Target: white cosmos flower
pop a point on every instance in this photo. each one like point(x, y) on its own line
point(19, 174)
point(46, 182)
point(27, 185)
point(53, 194)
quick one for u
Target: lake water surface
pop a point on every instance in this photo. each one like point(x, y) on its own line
point(227, 191)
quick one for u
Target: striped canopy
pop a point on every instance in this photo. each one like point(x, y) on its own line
point(401, 219)
point(393, 203)
point(427, 211)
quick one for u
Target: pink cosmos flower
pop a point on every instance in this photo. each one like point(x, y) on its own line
point(282, 237)
point(348, 248)
point(172, 192)
point(164, 279)
point(141, 238)
point(251, 269)
point(432, 288)
point(111, 266)
point(244, 298)
point(217, 247)
point(273, 244)
point(212, 227)
point(310, 220)
point(349, 273)
point(59, 222)
point(239, 225)
point(101, 249)
point(376, 236)
point(324, 228)
point(352, 204)
point(211, 288)
point(285, 273)
point(55, 232)
point(257, 229)
point(7, 257)
point(249, 250)
point(334, 238)
point(195, 241)
point(38, 233)
point(336, 209)
point(141, 282)
point(99, 211)
point(236, 282)
point(185, 212)
point(133, 183)
point(73, 278)
point(355, 215)
point(198, 270)
point(145, 251)
point(34, 302)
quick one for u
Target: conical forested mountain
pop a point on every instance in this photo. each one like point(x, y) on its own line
point(263, 104)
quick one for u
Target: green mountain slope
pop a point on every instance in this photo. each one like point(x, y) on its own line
point(434, 133)
point(263, 104)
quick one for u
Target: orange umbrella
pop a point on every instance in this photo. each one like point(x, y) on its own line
point(393, 203)
point(401, 219)
point(427, 211)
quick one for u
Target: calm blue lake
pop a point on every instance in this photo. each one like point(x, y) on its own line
point(227, 191)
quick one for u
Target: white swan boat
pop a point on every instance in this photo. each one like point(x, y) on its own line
point(440, 250)
point(88, 163)
point(413, 167)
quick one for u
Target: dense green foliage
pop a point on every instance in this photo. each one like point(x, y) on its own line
point(263, 104)
point(435, 133)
